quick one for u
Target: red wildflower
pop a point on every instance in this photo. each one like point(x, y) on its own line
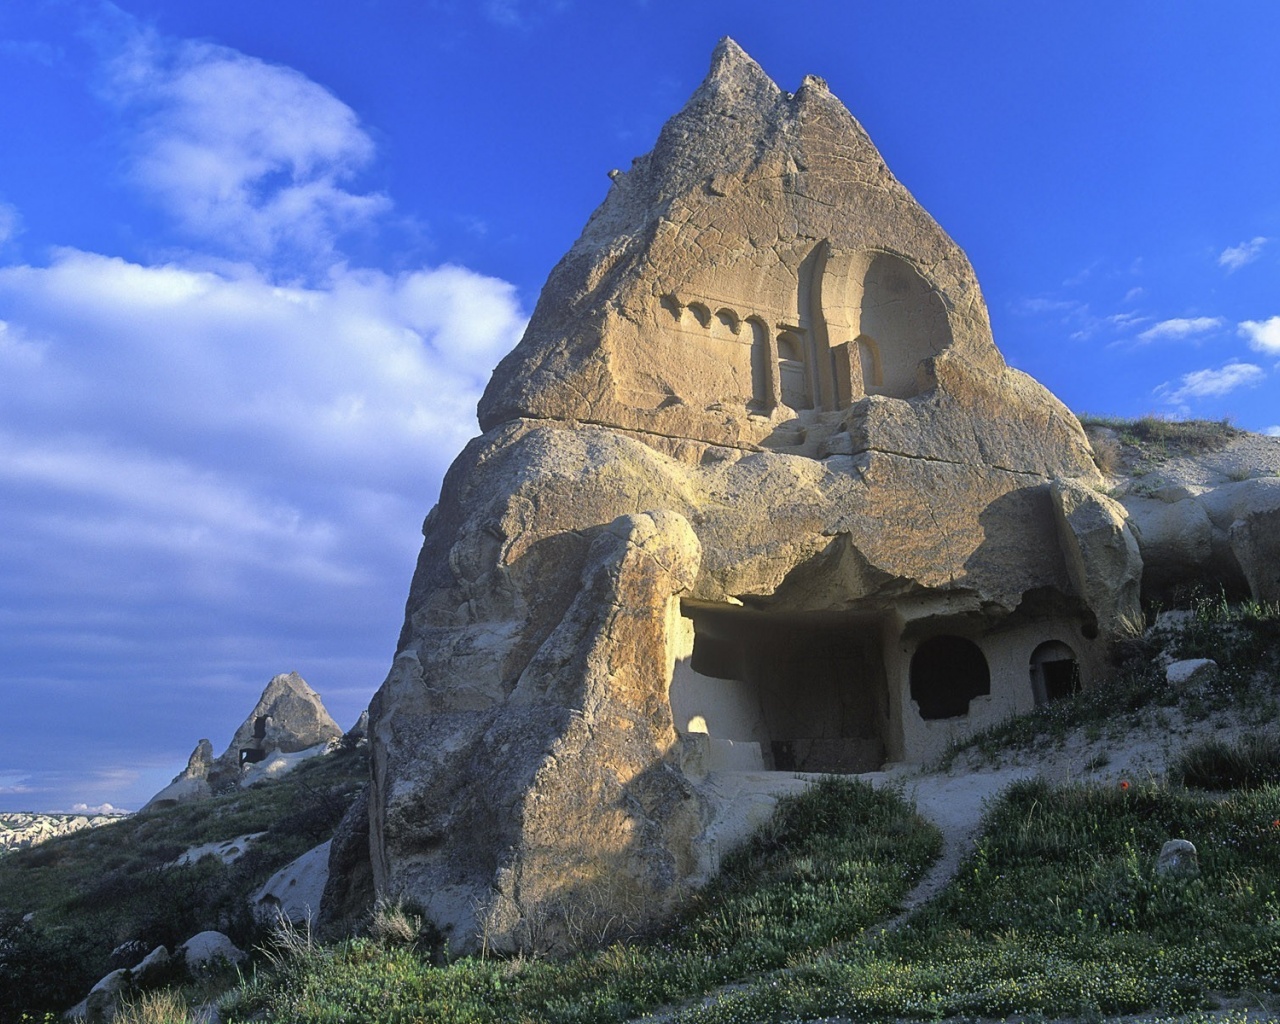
point(1124, 784)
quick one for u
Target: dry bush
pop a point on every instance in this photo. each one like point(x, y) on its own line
point(392, 925)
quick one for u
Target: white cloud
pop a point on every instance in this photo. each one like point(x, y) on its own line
point(1134, 294)
point(202, 439)
point(1272, 431)
point(213, 470)
point(1181, 327)
point(1263, 335)
point(1212, 383)
point(520, 13)
point(241, 152)
point(83, 808)
point(365, 373)
point(1237, 256)
point(1037, 305)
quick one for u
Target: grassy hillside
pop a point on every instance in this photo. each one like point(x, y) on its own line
point(94, 890)
point(1058, 912)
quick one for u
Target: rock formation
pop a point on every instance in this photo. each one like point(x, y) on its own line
point(755, 491)
point(288, 719)
point(20, 829)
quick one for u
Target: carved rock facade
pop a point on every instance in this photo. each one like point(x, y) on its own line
point(756, 491)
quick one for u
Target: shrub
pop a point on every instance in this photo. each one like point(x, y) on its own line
point(1250, 762)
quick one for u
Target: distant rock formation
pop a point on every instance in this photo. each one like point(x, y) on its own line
point(288, 721)
point(289, 717)
point(19, 829)
point(756, 491)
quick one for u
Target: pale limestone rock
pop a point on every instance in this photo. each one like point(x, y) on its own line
point(289, 717)
point(1191, 671)
point(192, 783)
point(756, 490)
point(1220, 533)
point(209, 950)
point(1178, 858)
point(1101, 552)
point(293, 893)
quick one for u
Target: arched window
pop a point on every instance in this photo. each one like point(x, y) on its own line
point(946, 673)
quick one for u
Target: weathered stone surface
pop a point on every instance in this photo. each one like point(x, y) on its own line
point(755, 487)
point(293, 893)
point(1178, 858)
point(349, 892)
point(192, 783)
point(1226, 535)
point(1191, 671)
point(289, 717)
point(209, 950)
point(1101, 552)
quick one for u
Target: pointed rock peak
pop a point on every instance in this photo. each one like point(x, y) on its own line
point(288, 717)
point(732, 65)
point(814, 84)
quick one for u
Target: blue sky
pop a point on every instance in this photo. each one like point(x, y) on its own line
point(257, 261)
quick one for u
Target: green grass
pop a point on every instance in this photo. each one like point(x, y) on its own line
point(1060, 912)
point(95, 889)
point(1250, 762)
point(833, 861)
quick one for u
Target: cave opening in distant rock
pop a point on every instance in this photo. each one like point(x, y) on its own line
point(1055, 673)
point(947, 672)
point(793, 692)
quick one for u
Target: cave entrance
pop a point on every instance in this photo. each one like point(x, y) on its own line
point(784, 692)
point(1055, 673)
point(947, 672)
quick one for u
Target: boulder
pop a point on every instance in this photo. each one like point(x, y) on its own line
point(152, 969)
point(209, 951)
point(1226, 536)
point(755, 489)
point(1178, 859)
point(1191, 672)
point(103, 999)
point(293, 893)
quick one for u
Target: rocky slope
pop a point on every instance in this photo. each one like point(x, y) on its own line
point(19, 829)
